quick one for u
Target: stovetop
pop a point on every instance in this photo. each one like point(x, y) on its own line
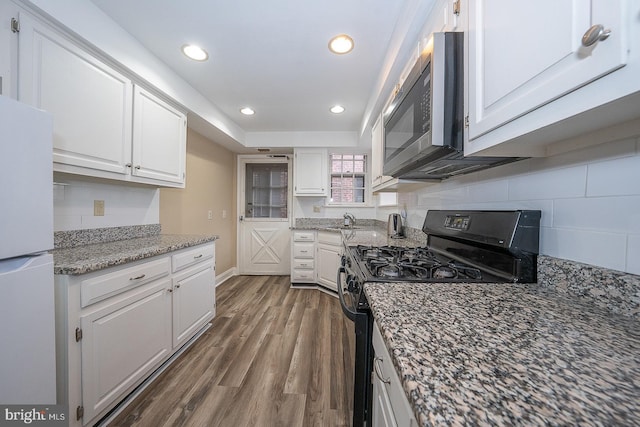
point(393, 263)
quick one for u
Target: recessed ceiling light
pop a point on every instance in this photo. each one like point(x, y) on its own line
point(337, 109)
point(341, 44)
point(195, 52)
point(247, 111)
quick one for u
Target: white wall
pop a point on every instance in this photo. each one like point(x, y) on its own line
point(124, 204)
point(590, 201)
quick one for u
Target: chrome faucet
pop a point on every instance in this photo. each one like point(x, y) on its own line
point(349, 220)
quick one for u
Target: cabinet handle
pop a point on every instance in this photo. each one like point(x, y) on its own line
point(169, 290)
point(197, 256)
point(177, 286)
point(138, 167)
point(595, 34)
point(137, 278)
point(128, 165)
point(378, 370)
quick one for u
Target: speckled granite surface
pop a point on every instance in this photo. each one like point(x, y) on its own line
point(68, 239)
point(616, 291)
point(320, 223)
point(377, 236)
point(504, 354)
point(88, 258)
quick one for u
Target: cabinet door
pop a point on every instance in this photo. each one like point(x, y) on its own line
point(328, 262)
point(122, 343)
point(90, 102)
point(159, 139)
point(525, 54)
point(193, 302)
point(377, 154)
point(382, 415)
point(310, 172)
point(390, 405)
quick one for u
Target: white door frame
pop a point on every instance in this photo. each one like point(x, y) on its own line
point(258, 158)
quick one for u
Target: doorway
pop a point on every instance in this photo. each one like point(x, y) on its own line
point(264, 206)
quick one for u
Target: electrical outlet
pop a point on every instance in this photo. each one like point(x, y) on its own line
point(98, 208)
point(210, 215)
point(316, 209)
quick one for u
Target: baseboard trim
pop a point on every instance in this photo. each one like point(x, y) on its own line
point(226, 275)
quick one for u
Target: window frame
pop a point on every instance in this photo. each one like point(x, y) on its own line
point(367, 184)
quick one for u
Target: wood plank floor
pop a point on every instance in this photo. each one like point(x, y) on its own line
point(275, 356)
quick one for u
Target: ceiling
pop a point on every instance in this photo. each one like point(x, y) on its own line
point(270, 55)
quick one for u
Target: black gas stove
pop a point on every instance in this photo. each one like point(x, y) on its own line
point(396, 263)
point(462, 246)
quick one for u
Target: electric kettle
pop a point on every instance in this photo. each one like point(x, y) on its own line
point(394, 226)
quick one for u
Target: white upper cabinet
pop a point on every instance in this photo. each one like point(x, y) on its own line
point(310, 172)
point(159, 138)
point(101, 127)
point(526, 55)
point(91, 102)
point(377, 154)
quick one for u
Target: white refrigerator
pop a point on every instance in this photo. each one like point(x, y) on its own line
point(27, 322)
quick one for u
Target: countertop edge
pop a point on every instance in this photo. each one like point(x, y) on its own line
point(90, 258)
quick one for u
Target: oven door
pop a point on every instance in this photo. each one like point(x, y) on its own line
point(363, 329)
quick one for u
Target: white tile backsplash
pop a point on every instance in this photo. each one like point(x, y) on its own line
point(633, 254)
point(590, 247)
point(590, 201)
point(549, 184)
point(615, 214)
point(621, 176)
point(124, 205)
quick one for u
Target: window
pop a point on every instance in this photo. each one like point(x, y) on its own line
point(348, 178)
point(266, 190)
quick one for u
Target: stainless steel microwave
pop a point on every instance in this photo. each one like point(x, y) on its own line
point(424, 126)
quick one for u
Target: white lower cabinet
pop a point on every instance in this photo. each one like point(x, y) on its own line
point(116, 326)
point(193, 293)
point(122, 342)
point(390, 405)
point(328, 254)
point(303, 249)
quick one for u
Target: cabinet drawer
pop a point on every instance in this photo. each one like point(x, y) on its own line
point(303, 264)
point(303, 276)
point(193, 256)
point(303, 250)
point(304, 236)
point(330, 238)
point(106, 285)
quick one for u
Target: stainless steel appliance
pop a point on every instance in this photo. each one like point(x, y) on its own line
point(423, 132)
point(480, 247)
point(394, 226)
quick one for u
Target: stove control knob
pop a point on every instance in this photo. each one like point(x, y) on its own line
point(352, 283)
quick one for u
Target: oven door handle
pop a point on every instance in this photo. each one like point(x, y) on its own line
point(349, 313)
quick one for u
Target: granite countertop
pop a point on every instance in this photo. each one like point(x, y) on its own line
point(376, 236)
point(505, 354)
point(88, 258)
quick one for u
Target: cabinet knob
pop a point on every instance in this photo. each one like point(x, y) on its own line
point(138, 167)
point(595, 34)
